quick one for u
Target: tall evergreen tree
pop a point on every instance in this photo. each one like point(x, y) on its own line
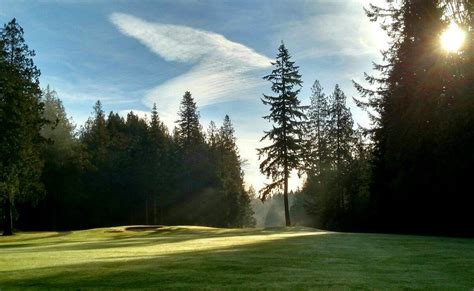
point(96, 139)
point(160, 179)
point(63, 163)
point(95, 135)
point(285, 151)
point(340, 138)
point(236, 197)
point(317, 148)
point(340, 132)
point(20, 121)
point(194, 173)
point(416, 101)
point(189, 129)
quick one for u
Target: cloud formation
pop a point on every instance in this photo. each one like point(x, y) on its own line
point(222, 70)
point(333, 28)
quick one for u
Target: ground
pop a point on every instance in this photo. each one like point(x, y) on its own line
point(201, 257)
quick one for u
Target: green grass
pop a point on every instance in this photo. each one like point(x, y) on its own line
point(201, 257)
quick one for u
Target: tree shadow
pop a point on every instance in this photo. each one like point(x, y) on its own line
point(150, 237)
point(7, 242)
point(215, 268)
point(334, 260)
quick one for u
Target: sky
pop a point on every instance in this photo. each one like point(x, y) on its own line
point(131, 54)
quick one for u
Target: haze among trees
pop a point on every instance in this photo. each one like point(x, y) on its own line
point(410, 171)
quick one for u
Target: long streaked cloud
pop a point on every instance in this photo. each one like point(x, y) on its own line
point(222, 70)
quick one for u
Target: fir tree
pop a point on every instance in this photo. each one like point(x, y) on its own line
point(316, 155)
point(159, 180)
point(285, 151)
point(189, 129)
point(340, 132)
point(63, 166)
point(95, 134)
point(417, 130)
point(20, 122)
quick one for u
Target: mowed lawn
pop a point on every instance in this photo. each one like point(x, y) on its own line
point(200, 257)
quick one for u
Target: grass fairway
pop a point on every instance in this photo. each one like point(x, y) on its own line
point(201, 257)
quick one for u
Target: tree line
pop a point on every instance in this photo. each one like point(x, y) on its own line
point(114, 170)
point(319, 141)
point(411, 170)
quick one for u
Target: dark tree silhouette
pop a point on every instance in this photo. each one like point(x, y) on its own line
point(189, 129)
point(422, 100)
point(285, 152)
point(20, 122)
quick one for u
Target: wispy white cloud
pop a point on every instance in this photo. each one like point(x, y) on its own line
point(222, 70)
point(345, 30)
point(85, 90)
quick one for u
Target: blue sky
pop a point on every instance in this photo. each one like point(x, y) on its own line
point(130, 54)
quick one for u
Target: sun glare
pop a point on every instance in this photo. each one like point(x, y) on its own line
point(452, 38)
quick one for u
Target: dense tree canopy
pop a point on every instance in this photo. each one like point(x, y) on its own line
point(20, 122)
point(423, 122)
point(409, 172)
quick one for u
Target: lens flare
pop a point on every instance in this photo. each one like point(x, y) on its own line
point(452, 38)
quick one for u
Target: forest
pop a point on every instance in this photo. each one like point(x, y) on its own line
point(409, 172)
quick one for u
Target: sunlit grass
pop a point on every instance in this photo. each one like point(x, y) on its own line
point(200, 257)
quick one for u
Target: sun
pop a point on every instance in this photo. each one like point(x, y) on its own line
point(452, 38)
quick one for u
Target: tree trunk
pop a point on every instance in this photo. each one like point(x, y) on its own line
point(8, 223)
point(155, 218)
point(285, 198)
point(161, 214)
point(146, 210)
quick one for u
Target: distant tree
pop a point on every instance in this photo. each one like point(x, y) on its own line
point(96, 140)
point(212, 135)
point(20, 122)
point(194, 173)
point(159, 164)
point(59, 127)
point(63, 165)
point(189, 129)
point(335, 192)
point(285, 152)
point(94, 135)
point(237, 199)
point(137, 131)
point(317, 147)
point(340, 132)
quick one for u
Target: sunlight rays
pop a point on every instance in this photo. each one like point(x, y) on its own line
point(452, 39)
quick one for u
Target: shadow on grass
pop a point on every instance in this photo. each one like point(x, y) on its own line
point(325, 260)
point(230, 266)
point(6, 242)
point(150, 237)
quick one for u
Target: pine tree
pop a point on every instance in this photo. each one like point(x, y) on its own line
point(286, 114)
point(212, 135)
point(316, 154)
point(20, 122)
point(63, 166)
point(159, 162)
point(97, 143)
point(95, 135)
point(189, 129)
point(340, 132)
point(231, 175)
point(194, 173)
point(341, 141)
point(416, 97)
